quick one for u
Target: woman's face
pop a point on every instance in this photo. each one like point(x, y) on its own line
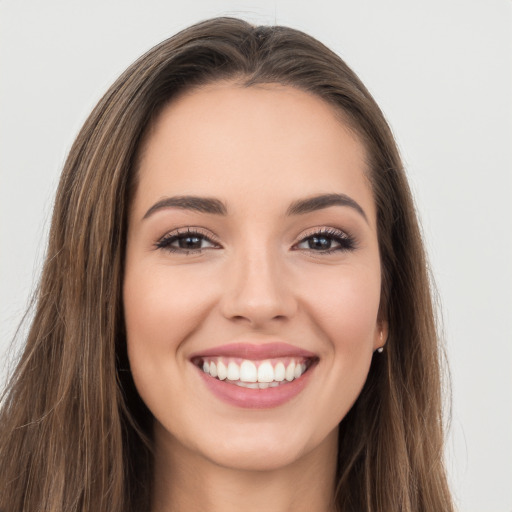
point(253, 277)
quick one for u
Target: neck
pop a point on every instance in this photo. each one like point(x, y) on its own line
point(187, 481)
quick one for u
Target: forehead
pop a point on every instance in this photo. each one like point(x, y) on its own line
point(266, 143)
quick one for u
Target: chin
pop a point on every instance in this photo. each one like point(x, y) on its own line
point(255, 456)
point(260, 447)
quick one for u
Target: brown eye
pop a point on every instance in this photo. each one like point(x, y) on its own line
point(327, 242)
point(186, 242)
point(319, 243)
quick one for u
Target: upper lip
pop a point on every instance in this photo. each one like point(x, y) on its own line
point(255, 351)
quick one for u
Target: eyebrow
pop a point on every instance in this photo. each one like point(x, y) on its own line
point(198, 204)
point(322, 201)
point(216, 207)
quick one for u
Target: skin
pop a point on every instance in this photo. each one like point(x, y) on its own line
point(257, 150)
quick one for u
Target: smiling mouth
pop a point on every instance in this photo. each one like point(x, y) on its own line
point(255, 374)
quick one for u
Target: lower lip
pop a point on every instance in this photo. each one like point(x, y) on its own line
point(256, 398)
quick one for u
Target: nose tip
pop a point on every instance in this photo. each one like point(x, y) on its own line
point(257, 292)
point(257, 311)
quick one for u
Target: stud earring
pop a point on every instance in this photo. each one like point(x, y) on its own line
point(381, 348)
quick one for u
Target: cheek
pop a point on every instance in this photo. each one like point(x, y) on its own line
point(162, 309)
point(347, 308)
point(347, 313)
point(159, 305)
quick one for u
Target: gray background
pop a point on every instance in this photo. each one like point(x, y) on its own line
point(442, 72)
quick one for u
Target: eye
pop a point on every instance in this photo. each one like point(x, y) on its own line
point(327, 241)
point(186, 242)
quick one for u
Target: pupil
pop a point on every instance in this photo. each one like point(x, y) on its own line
point(190, 242)
point(316, 242)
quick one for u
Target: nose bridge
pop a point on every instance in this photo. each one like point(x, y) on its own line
point(257, 289)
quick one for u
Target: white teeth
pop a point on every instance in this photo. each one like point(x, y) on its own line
point(290, 372)
point(279, 372)
point(254, 375)
point(233, 371)
point(265, 372)
point(222, 373)
point(248, 372)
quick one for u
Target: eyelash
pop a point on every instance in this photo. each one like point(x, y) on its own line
point(166, 241)
point(344, 241)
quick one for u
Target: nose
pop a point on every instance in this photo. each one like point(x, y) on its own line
point(257, 290)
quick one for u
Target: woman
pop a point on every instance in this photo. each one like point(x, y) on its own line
point(235, 306)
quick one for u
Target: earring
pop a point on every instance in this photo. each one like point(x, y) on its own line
point(381, 348)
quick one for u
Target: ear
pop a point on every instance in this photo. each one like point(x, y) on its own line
point(381, 334)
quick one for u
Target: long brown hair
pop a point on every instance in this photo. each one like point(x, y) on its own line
point(74, 435)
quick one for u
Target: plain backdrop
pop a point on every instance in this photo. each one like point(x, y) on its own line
point(441, 71)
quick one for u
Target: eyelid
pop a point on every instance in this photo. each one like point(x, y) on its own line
point(345, 241)
point(183, 231)
point(324, 230)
